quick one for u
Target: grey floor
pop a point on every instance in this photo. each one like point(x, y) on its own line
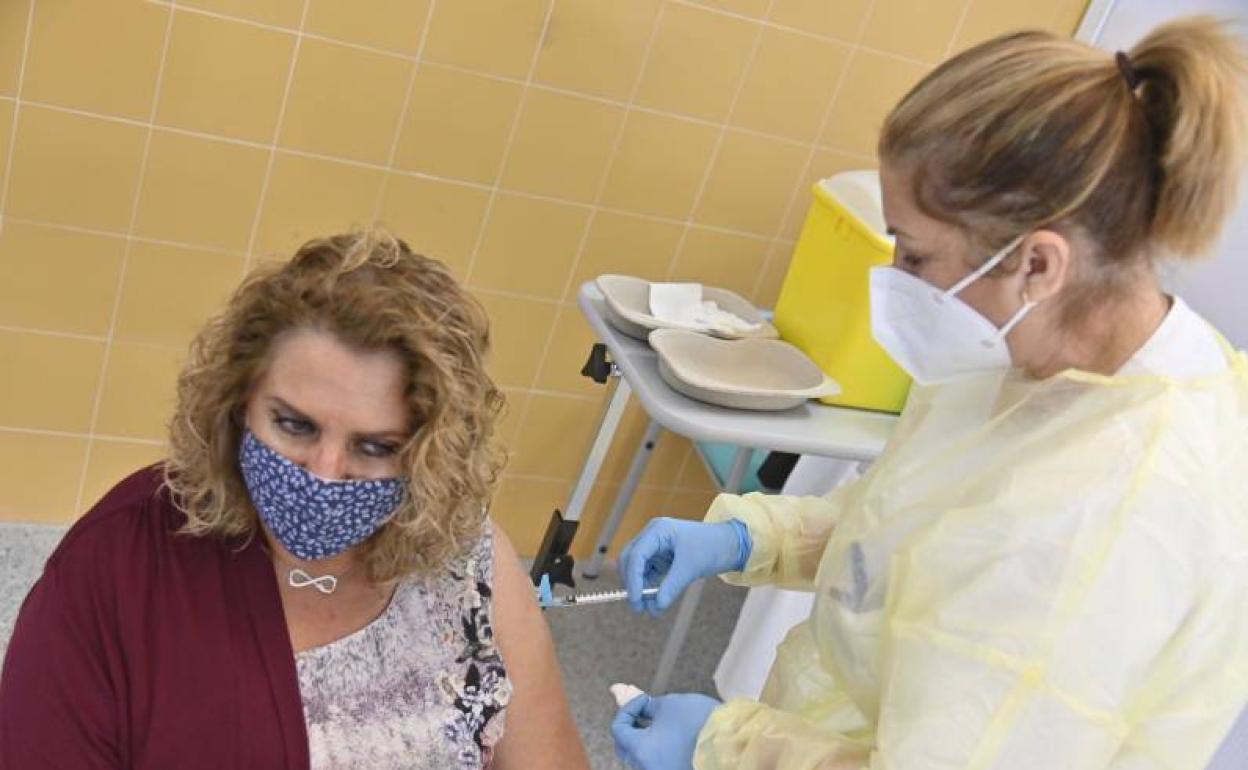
point(598, 645)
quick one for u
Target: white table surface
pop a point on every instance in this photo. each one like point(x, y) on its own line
point(813, 428)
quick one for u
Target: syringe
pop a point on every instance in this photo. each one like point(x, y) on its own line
point(546, 598)
point(601, 597)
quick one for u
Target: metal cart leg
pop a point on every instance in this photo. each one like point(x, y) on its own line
point(553, 557)
point(598, 450)
point(676, 638)
point(693, 595)
point(641, 459)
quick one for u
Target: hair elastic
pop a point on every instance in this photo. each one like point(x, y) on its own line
point(1128, 72)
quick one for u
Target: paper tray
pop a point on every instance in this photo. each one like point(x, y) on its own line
point(628, 309)
point(759, 374)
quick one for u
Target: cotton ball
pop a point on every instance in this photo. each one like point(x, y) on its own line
point(625, 693)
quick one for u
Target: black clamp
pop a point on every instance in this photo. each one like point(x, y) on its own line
point(553, 558)
point(598, 368)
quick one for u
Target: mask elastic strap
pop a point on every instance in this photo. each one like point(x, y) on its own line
point(984, 268)
point(1015, 320)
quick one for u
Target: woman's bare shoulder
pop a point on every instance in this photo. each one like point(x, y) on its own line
point(540, 730)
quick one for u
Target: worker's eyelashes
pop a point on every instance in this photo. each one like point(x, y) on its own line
point(908, 260)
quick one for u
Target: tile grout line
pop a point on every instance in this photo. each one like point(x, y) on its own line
point(423, 175)
point(666, 505)
point(545, 300)
point(384, 187)
point(523, 416)
point(814, 148)
point(277, 134)
point(240, 142)
point(492, 292)
point(415, 175)
point(53, 333)
point(294, 31)
point(512, 130)
point(125, 258)
point(764, 21)
point(772, 249)
point(719, 143)
point(554, 393)
point(767, 22)
point(597, 99)
point(17, 109)
point(595, 207)
point(506, 79)
point(180, 348)
point(957, 28)
point(86, 436)
point(300, 30)
point(690, 456)
point(1056, 15)
point(613, 155)
point(633, 106)
point(97, 338)
point(120, 234)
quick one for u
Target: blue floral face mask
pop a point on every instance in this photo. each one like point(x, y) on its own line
point(312, 517)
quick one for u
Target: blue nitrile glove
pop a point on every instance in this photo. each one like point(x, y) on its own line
point(660, 733)
point(673, 553)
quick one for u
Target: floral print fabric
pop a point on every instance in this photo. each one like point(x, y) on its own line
point(423, 687)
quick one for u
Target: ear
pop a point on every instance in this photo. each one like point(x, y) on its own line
point(1046, 264)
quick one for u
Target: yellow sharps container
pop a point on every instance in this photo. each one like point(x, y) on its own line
point(824, 306)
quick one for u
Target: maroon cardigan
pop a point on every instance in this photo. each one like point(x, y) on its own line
point(139, 648)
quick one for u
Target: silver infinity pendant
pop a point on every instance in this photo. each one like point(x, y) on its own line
point(326, 584)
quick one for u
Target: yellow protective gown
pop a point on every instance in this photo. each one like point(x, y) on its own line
point(1035, 575)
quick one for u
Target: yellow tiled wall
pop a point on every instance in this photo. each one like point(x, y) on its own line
point(153, 150)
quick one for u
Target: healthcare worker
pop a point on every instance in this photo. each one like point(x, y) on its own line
point(1046, 567)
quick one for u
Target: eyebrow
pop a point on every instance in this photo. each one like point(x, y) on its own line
point(890, 230)
point(300, 414)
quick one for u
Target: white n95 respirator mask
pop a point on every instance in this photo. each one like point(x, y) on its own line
point(933, 334)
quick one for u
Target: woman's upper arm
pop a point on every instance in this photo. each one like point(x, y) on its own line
point(57, 707)
point(540, 731)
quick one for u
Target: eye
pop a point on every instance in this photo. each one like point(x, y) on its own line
point(909, 260)
point(377, 449)
point(293, 426)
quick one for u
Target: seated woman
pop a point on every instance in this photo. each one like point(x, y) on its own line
point(311, 579)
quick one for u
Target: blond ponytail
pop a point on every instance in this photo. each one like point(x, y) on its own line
point(1031, 130)
point(1191, 74)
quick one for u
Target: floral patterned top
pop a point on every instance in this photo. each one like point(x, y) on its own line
point(422, 687)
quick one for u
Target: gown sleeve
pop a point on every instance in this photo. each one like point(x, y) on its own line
point(789, 535)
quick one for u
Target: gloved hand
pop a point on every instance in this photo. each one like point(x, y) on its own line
point(660, 733)
point(673, 553)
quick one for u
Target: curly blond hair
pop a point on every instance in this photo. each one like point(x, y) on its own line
point(371, 292)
